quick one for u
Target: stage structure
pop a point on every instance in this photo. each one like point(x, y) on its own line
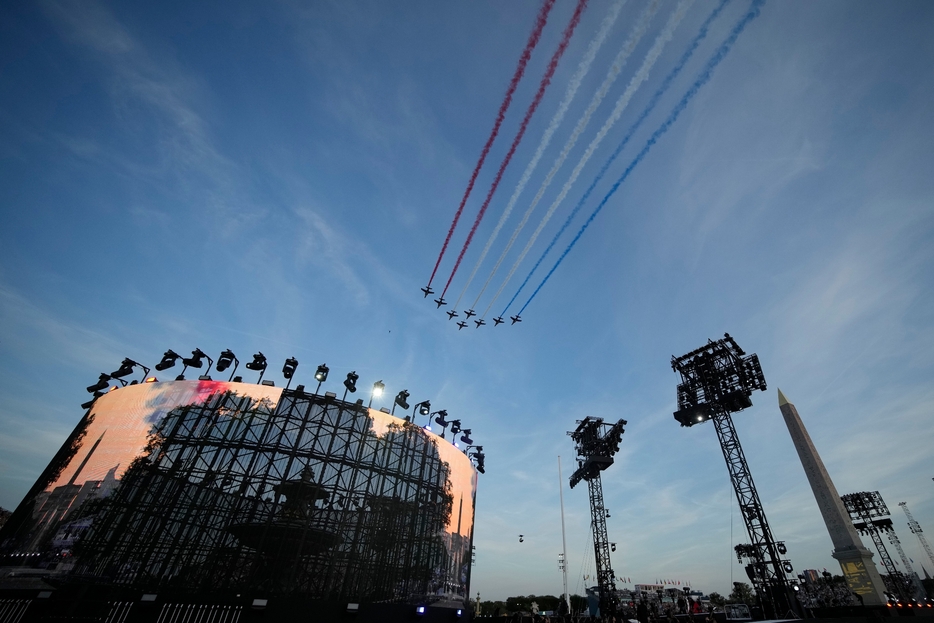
point(916, 530)
point(717, 380)
point(214, 490)
point(871, 517)
point(596, 442)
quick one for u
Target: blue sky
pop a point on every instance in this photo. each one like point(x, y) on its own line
point(281, 178)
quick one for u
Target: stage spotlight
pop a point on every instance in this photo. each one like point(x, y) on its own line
point(466, 437)
point(125, 368)
point(101, 384)
point(442, 414)
point(613, 549)
point(168, 360)
point(321, 374)
point(420, 610)
point(89, 403)
point(351, 382)
point(378, 388)
point(455, 426)
point(787, 566)
point(424, 408)
point(195, 360)
point(223, 362)
point(522, 538)
point(402, 399)
point(288, 369)
point(781, 548)
point(258, 364)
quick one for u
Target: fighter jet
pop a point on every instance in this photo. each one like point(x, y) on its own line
point(480, 322)
point(515, 319)
point(461, 325)
point(451, 314)
point(440, 301)
point(427, 290)
point(498, 321)
point(470, 313)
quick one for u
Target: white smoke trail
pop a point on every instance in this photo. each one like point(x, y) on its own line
point(634, 84)
point(570, 92)
point(615, 68)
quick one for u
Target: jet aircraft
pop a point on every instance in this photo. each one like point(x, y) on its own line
point(480, 322)
point(461, 325)
point(498, 321)
point(427, 290)
point(470, 313)
point(515, 319)
point(451, 314)
point(440, 301)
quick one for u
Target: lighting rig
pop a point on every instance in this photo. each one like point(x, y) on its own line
point(871, 518)
point(916, 530)
point(259, 364)
point(717, 380)
point(596, 443)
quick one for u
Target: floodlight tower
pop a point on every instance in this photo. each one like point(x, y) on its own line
point(916, 529)
point(596, 443)
point(717, 380)
point(870, 516)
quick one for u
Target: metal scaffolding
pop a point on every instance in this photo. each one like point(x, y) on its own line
point(870, 517)
point(301, 497)
point(718, 379)
point(596, 443)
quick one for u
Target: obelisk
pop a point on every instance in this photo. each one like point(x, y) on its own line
point(855, 560)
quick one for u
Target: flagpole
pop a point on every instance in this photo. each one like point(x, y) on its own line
point(564, 544)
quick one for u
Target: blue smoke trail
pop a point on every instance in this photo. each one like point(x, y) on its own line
point(632, 129)
point(701, 80)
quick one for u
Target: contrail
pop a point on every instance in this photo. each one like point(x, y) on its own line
point(520, 70)
point(701, 80)
point(615, 68)
point(666, 83)
point(542, 87)
point(621, 104)
point(571, 91)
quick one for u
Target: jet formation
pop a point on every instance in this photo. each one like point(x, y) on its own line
point(462, 324)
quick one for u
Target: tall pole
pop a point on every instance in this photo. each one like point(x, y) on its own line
point(564, 543)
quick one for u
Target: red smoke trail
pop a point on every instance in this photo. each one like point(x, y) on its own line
point(520, 70)
point(546, 80)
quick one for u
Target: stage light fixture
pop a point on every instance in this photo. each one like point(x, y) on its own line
point(787, 566)
point(378, 388)
point(195, 361)
point(168, 360)
point(125, 368)
point(90, 403)
point(424, 408)
point(613, 549)
point(321, 374)
point(351, 381)
point(101, 384)
point(421, 610)
point(455, 426)
point(258, 365)
point(288, 369)
point(466, 437)
point(151, 379)
point(223, 362)
point(781, 548)
point(402, 399)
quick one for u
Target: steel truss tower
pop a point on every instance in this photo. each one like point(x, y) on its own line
point(916, 529)
point(717, 380)
point(597, 442)
point(870, 516)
